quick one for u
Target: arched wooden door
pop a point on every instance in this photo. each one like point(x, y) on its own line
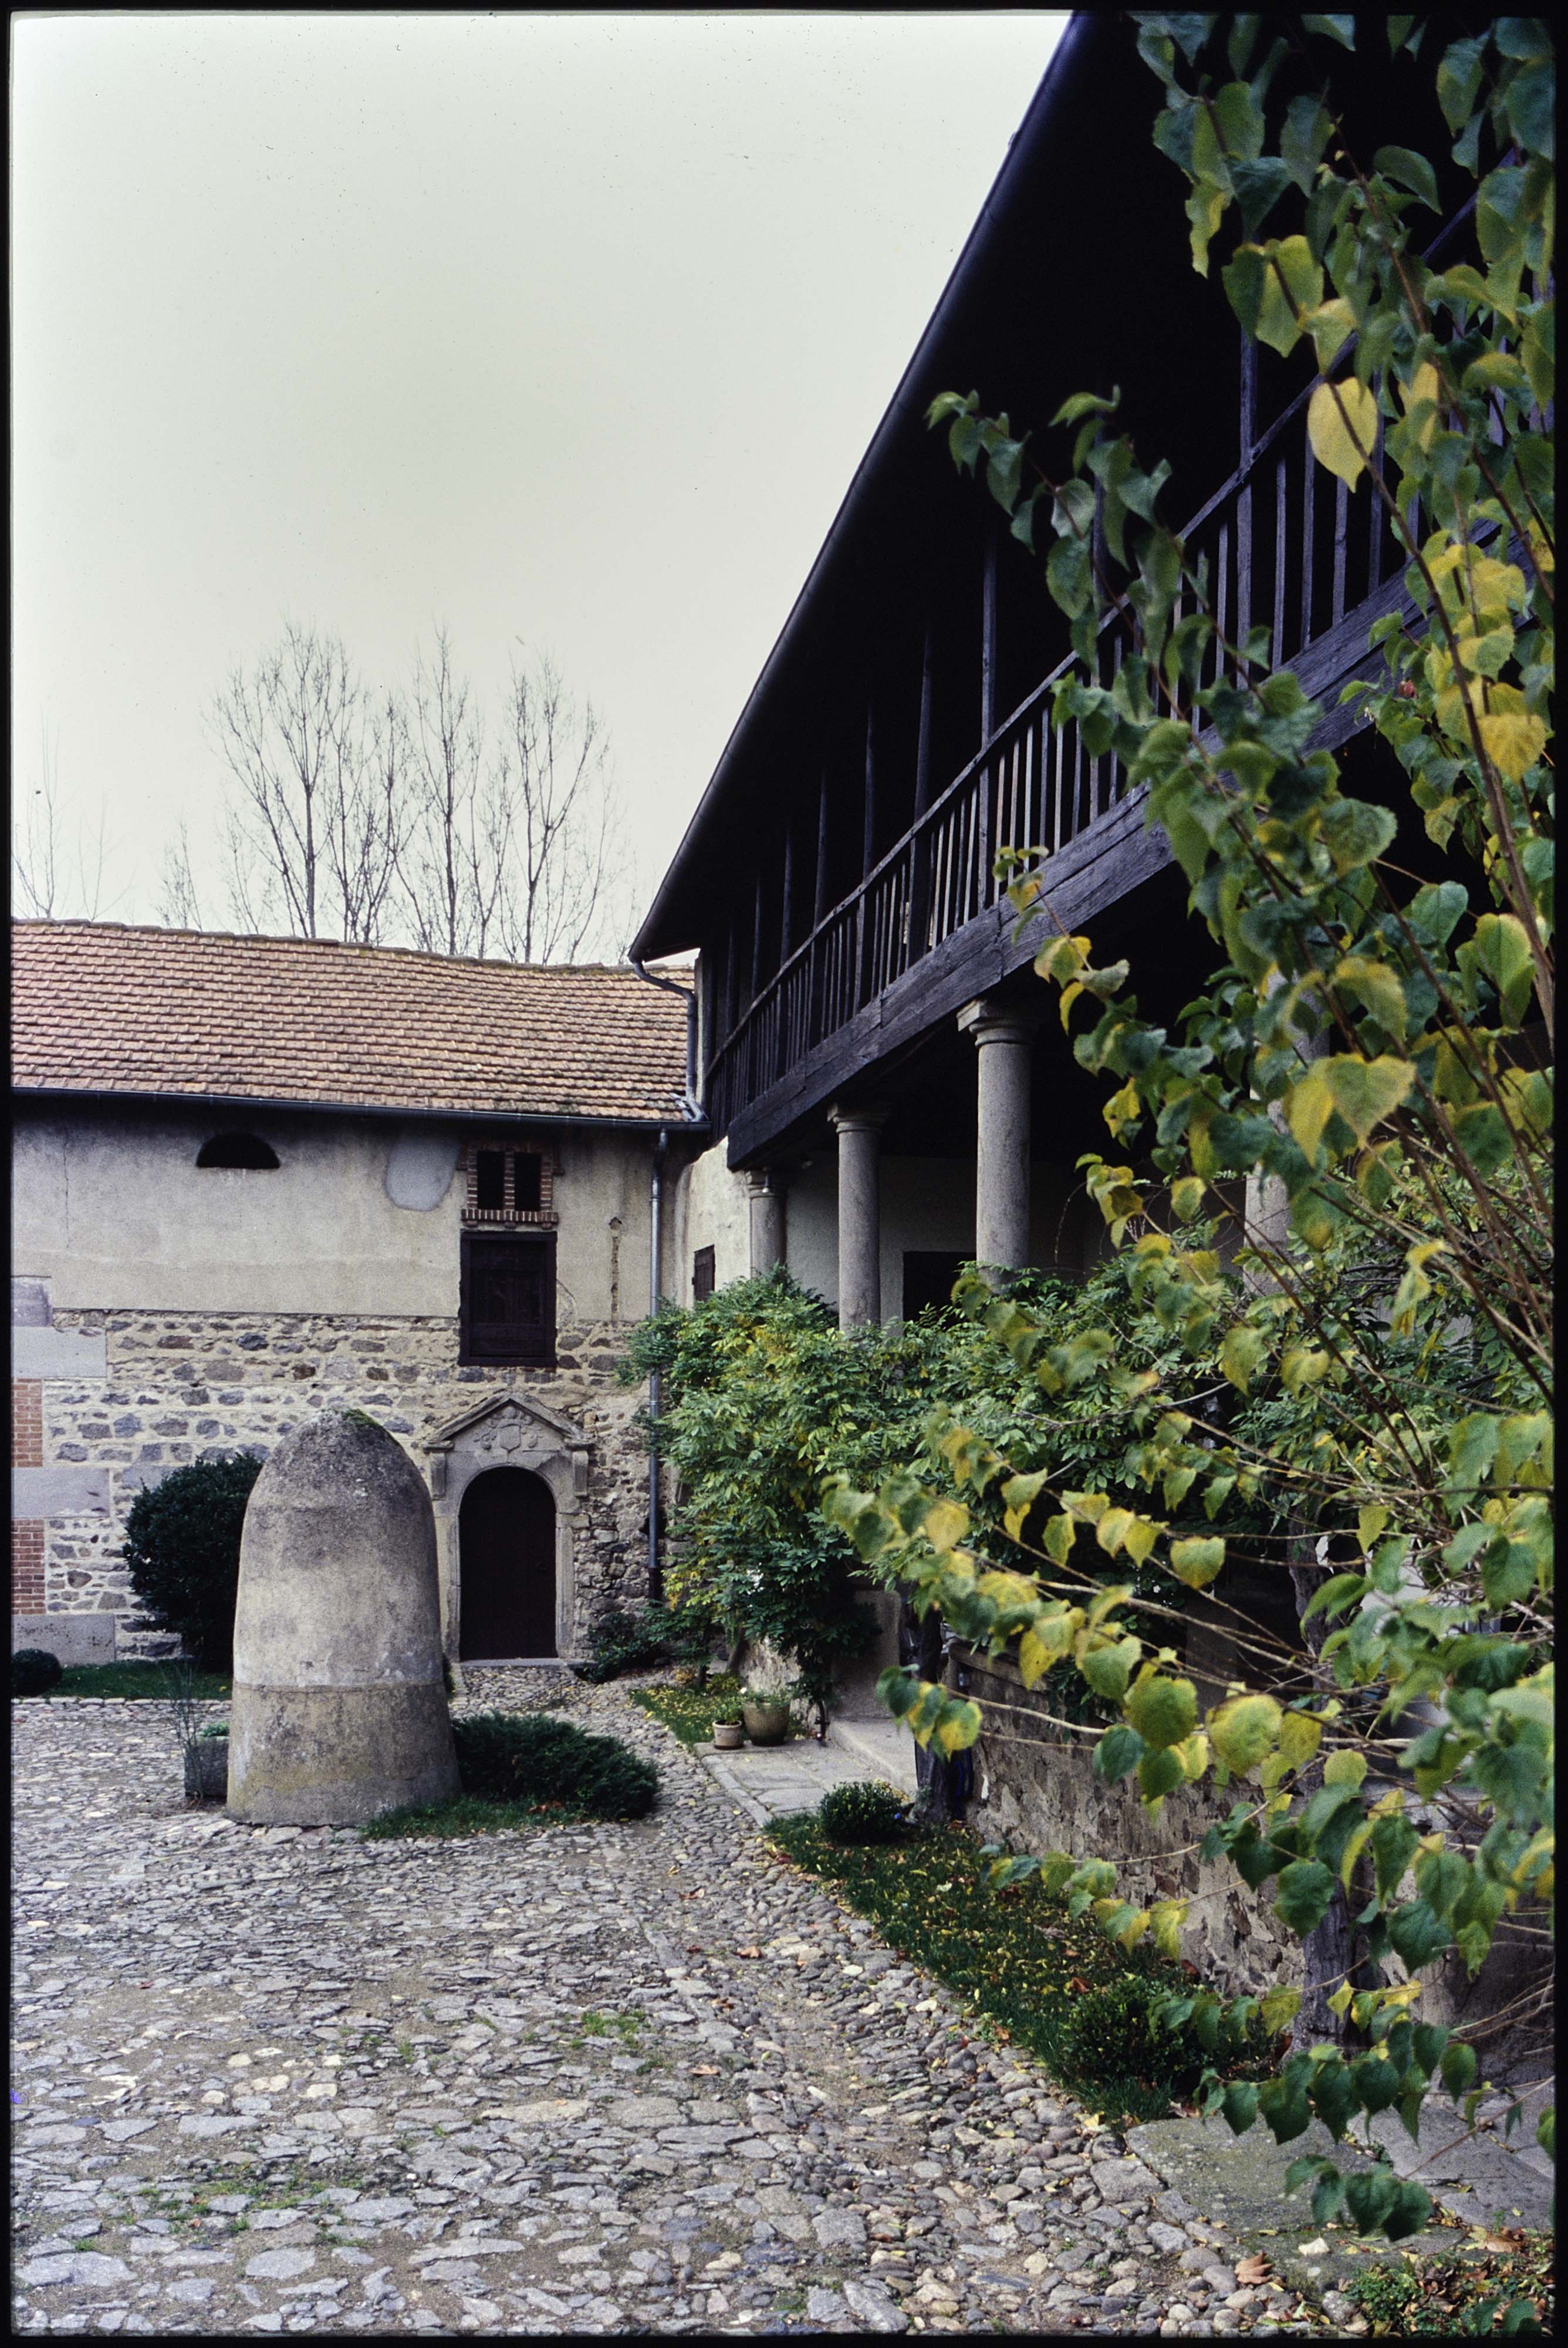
point(506, 1566)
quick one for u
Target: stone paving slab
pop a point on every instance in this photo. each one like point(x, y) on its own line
point(567, 2081)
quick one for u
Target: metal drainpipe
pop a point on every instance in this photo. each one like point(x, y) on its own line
point(656, 1207)
point(691, 1108)
point(693, 1113)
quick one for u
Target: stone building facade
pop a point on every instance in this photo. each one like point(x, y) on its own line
point(256, 1179)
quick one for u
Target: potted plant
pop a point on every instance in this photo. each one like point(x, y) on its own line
point(207, 1765)
point(766, 1713)
point(728, 1731)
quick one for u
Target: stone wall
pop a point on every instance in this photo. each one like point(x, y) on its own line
point(1035, 1790)
point(183, 1385)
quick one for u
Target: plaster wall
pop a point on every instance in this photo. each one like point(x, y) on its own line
point(111, 1210)
point(711, 1209)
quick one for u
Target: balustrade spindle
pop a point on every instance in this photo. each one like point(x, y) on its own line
point(1279, 562)
point(1341, 542)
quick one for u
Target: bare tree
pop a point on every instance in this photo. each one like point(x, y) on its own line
point(568, 881)
point(59, 866)
point(393, 820)
point(179, 905)
point(456, 849)
point(312, 840)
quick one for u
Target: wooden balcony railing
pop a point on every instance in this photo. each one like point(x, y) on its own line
point(1288, 546)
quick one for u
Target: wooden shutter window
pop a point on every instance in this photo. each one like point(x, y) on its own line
point(508, 1311)
point(702, 1274)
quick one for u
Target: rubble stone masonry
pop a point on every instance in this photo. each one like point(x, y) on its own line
point(186, 1386)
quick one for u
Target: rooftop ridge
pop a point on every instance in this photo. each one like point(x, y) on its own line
point(79, 926)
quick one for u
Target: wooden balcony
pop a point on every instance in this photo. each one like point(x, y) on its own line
point(928, 927)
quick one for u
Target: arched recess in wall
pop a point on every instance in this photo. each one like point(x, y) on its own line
point(507, 1567)
point(246, 1151)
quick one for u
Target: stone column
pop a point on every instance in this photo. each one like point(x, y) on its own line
point(767, 1219)
point(1004, 1041)
point(859, 1219)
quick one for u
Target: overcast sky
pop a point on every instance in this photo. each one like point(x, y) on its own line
point(565, 328)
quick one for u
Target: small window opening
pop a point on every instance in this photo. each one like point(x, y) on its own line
point(702, 1274)
point(490, 1181)
point(508, 1184)
point(241, 1149)
point(525, 1181)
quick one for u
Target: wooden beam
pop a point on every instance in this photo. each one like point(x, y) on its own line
point(868, 829)
point(819, 898)
point(757, 943)
point(989, 639)
point(923, 741)
point(786, 918)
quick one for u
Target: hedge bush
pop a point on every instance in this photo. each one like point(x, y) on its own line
point(35, 1671)
point(182, 1548)
point(533, 1756)
point(864, 1812)
point(1115, 2041)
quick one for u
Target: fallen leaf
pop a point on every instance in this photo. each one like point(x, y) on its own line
point(705, 2070)
point(1079, 1984)
point(748, 1953)
point(1253, 2268)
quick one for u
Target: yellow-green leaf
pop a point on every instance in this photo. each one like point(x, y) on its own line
point(1512, 740)
point(1034, 1658)
point(1374, 985)
point(1342, 426)
point(1164, 1711)
point(1111, 1530)
point(1280, 2008)
point(1198, 1562)
point(1344, 1769)
point(958, 1726)
point(1299, 1738)
point(1140, 1537)
point(945, 1524)
point(1364, 1092)
point(1187, 1197)
point(1240, 1354)
point(1167, 1918)
point(1243, 1730)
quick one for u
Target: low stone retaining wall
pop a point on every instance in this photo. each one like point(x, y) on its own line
point(1035, 1790)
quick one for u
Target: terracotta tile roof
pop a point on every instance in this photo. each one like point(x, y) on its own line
point(98, 1007)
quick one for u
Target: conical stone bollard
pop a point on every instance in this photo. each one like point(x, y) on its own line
point(339, 1710)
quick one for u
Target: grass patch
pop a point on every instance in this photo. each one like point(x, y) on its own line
point(468, 1814)
point(1016, 1957)
point(690, 1712)
point(1470, 2294)
point(624, 2026)
point(131, 1679)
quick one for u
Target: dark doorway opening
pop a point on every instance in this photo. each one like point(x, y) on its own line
point(928, 1277)
point(507, 1567)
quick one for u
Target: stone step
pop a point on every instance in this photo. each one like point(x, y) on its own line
point(885, 1748)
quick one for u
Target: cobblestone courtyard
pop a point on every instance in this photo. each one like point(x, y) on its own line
point(633, 2078)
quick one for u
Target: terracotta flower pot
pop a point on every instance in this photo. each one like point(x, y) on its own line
point(765, 1723)
point(727, 1735)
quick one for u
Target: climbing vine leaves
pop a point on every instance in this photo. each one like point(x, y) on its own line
point(1336, 1177)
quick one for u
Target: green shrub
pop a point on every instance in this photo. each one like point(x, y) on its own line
point(1115, 2040)
point(35, 1671)
point(533, 1756)
point(182, 1546)
point(620, 1641)
point(865, 1812)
